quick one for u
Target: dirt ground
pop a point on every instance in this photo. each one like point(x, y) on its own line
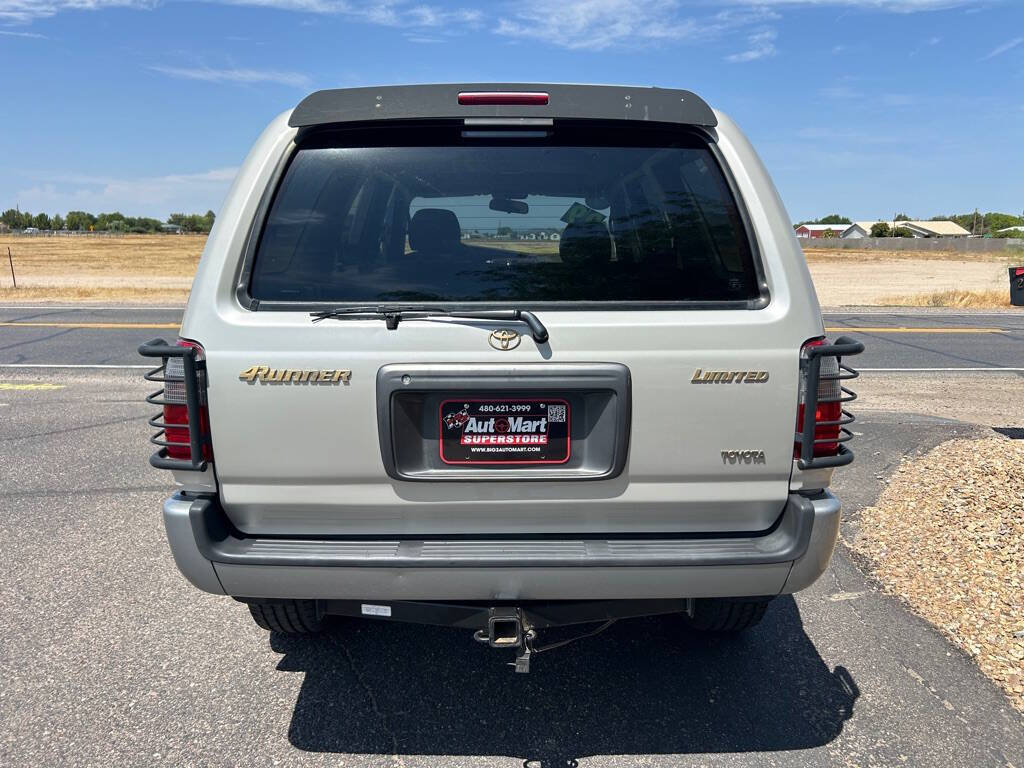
point(159, 268)
point(885, 282)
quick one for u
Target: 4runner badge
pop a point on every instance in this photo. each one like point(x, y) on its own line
point(504, 339)
point(266, 375)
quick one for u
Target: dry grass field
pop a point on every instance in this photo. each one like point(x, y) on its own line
point(134, 268)
point(159, 268)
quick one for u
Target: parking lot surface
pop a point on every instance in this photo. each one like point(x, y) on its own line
point(108, 657)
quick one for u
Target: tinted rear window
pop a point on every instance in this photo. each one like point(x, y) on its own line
point(577, 214)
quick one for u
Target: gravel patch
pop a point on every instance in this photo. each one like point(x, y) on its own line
point(947, 536)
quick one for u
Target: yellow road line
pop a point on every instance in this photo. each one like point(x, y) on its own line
point(101, 326)
point(5, 385)
point(890, 329)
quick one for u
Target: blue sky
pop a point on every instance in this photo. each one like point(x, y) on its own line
point(866, 107)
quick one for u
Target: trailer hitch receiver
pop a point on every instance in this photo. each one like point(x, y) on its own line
point(505, 628)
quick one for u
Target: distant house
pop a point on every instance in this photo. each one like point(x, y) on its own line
point(861, 229)
point(172, 229)
point(814, 231)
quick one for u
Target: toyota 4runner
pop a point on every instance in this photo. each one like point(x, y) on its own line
point(502, 357)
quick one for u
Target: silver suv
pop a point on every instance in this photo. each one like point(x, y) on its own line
point(503, 357)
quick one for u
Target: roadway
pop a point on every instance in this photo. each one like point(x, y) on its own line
point(895, 340)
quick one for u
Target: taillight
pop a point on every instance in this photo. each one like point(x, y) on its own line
point(176, 408)
point(821, 373)
point(184, 422)
point(521, 98)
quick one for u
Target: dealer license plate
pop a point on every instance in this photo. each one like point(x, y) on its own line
point(505, 431)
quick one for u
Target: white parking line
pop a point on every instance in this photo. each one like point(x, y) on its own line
point(941, 370)
point(57, 307)
point(69, 365)
point(950, 313)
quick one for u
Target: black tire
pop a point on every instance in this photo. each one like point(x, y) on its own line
point(727, 614)
point(289, 617)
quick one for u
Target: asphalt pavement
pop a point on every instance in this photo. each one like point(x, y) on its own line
point(108, 657)
point(908, 339)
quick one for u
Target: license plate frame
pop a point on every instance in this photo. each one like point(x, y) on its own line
point(505, 431)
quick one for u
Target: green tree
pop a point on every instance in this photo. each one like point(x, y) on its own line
point(58, 221)
point(901, 217)
point(995, 221)
point(41, 221)
point(79, 221)
point(16, 219)
point(110, 222)
point(902, 231)
point(834, 218)
point(880, 229)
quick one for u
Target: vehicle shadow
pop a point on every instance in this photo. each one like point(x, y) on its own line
point(645, 686)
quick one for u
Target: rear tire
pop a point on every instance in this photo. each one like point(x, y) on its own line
point(727, 614)
point(289, 617)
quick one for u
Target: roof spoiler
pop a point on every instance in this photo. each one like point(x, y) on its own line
point(594, 102)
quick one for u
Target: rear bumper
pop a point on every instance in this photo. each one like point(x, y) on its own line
point(217, 558)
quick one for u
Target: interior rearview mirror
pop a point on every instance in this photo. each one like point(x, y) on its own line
point(508, 206)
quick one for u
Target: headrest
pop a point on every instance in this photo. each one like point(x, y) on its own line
point(585, 243)
point(435, 230)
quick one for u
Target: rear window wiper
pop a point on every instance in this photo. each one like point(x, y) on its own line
point(392, 316)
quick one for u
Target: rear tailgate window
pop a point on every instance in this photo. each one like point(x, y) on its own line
point(571, 213)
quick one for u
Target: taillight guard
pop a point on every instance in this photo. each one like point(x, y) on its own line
point(182, 371)
point(822, 372)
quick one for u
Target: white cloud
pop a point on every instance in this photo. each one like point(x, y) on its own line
point(32, 35)
point(600, 24)
point(898, 6)
point(24, 11)
point(762, 46)
point(423, 39)
point(389, 13)
point(392, 13)
point(1007, 46)
point(597, 24)
point(155, 196)
point(236, 75)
